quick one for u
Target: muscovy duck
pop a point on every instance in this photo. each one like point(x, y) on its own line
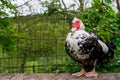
point(87, 48)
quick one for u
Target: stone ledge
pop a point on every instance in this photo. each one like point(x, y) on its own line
point(59, 76)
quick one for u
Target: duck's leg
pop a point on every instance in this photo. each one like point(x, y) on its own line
point(82, 72)
point(92, 73)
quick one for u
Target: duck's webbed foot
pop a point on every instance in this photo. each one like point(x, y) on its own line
point(92, 73)
point(82, 72)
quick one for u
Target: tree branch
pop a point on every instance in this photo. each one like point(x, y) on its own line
point(23, 4)
point(64, 4)
point(76, 2)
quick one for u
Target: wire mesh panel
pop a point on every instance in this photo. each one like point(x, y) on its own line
point(40, 46)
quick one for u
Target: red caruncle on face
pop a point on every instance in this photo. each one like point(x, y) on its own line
point(76, 24)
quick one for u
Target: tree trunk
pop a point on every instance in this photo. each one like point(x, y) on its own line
point(81, 5)
point(118, 5)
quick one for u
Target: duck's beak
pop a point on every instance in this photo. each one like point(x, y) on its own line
point(73, 29)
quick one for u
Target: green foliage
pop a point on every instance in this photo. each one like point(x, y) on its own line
point(7, 31)
point(53, 7)
point(6, 5)
point(101, 19)
point(103, 1)
point(7, 35)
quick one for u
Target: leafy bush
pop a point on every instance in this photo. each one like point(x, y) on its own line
point(7, 34)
